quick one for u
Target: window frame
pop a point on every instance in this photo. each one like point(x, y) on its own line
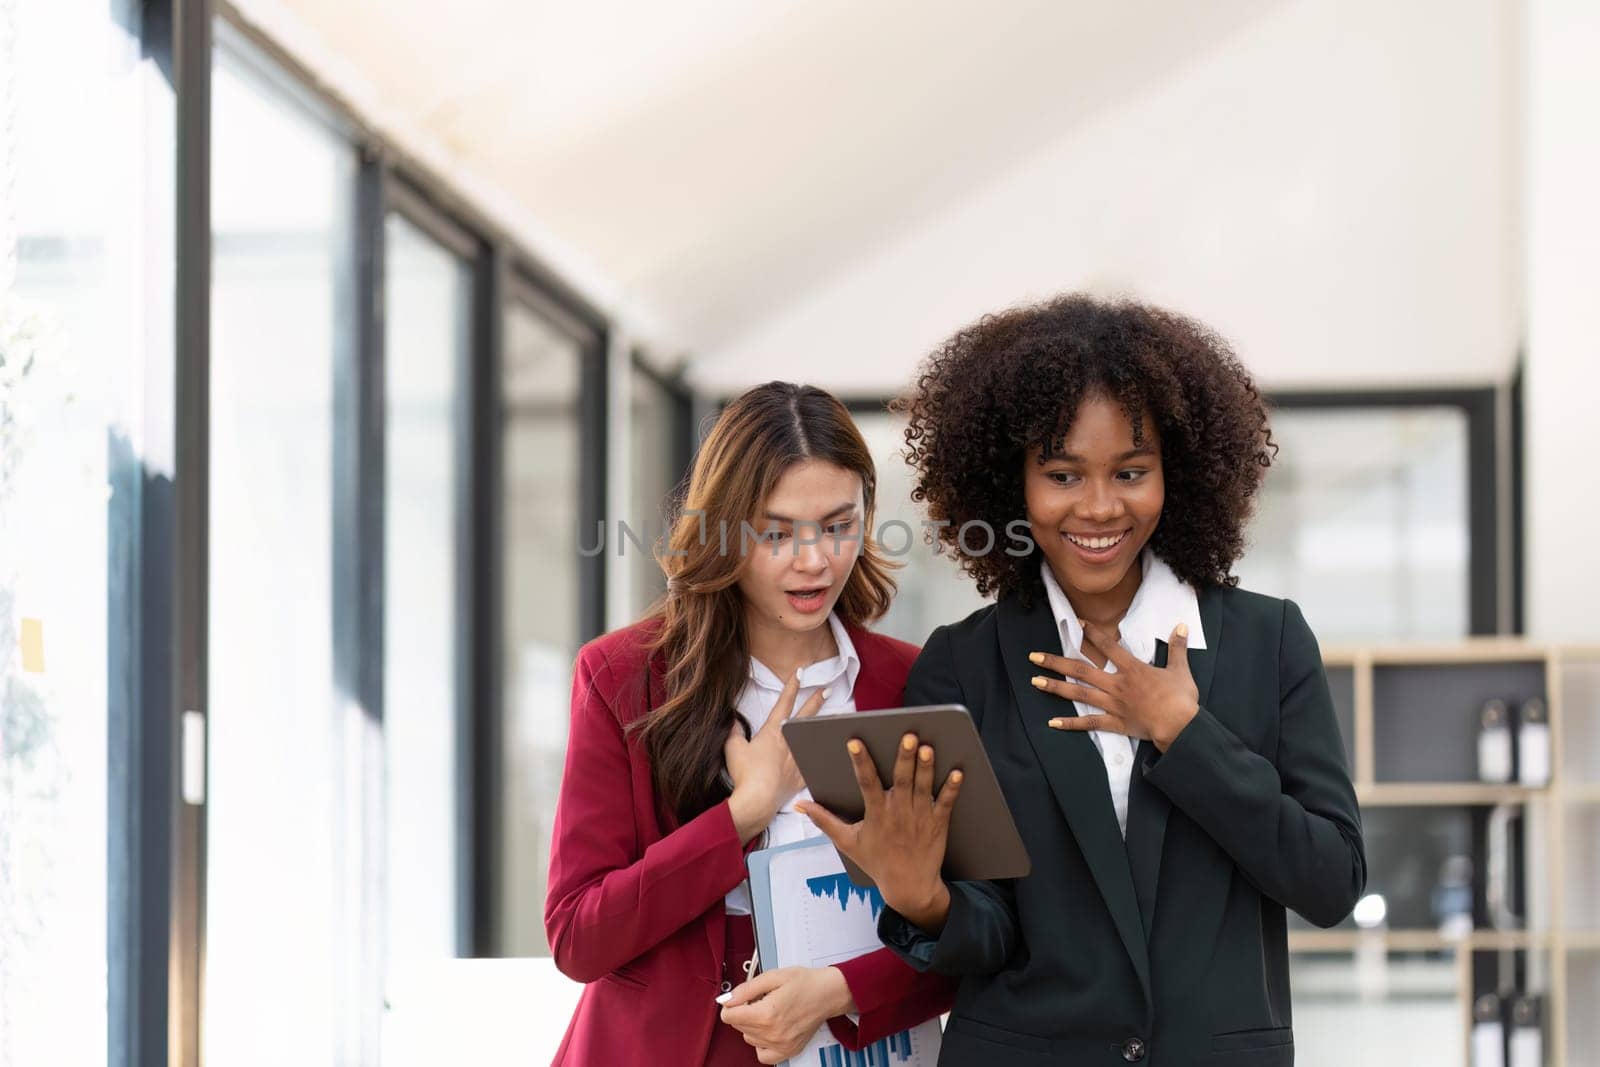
point(158, 596)
point(1494, 501)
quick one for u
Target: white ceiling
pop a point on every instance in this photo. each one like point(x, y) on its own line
point(734, 170)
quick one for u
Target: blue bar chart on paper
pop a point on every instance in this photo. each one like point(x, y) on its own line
point(809, 914)
point(877, 1054)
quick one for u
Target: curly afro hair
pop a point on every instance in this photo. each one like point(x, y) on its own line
point(1012, 382)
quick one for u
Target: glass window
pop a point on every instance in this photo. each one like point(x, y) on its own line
point(542, 437)
point(278, 730)
point(931, 588)
point(660, 451)
point(1363, 521)
point(78, 161)
point(428, 301)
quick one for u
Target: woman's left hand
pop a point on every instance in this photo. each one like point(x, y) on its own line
point(1139, 700)
point(779, 1011)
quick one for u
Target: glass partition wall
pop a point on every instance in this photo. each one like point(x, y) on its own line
point(85, 327)
point(260, 377)
point(551, 363)
point(285, 743)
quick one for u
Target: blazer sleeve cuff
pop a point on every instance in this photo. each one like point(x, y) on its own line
point(906, 940)
point(927, 996)
point(875, 979)
point(923, 951)
point(728, 850)
point(846, 1029)
point(1201, 749)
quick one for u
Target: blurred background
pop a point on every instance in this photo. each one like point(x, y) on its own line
point(349, 352)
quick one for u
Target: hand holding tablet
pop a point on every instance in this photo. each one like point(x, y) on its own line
point(941, 816)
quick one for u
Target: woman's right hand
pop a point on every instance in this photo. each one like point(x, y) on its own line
point(900, 841)
point(762, 768)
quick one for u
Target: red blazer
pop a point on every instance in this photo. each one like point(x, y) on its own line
point(635, 900)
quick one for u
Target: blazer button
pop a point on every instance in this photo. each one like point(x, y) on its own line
point(1133, 1049)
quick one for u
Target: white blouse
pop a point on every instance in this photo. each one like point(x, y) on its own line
point(756, 701)
point(1162, 601)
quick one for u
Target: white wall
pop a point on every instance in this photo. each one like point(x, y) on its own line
point(1562, 471)
point(1332, 187)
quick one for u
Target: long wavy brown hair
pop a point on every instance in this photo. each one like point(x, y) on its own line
point(702, 636)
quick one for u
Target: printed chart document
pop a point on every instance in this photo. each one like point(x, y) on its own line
point(809, 914)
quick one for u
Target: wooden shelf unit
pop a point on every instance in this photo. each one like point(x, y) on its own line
point(1571, 677)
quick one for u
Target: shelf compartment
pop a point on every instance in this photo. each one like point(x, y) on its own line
point(1425, 715)
point(1582, 1022)
point(1580, 725)
point(1581, 866)
point(1342, 686)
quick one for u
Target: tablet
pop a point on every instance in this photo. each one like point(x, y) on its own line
point(983, 841)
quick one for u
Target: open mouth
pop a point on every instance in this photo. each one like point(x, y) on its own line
point(807, 599)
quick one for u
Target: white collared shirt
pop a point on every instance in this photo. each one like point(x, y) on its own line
point(1162, 601)
point(756, 701)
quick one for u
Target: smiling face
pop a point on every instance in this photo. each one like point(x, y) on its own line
point(1093, 507)
point(810, 532)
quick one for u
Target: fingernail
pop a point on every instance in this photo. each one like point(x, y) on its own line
point(853, 745)
point(1056, 723)
point(825, 692)
point(1038, 681)
point(908, 742)
point(1035, 657)
point(724, 998)
point(955, 776)
point(1183, 629)
point(926, 754)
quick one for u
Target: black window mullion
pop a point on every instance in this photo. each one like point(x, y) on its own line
point(358, 474)
point(481, 620)
point(158, 609)
point(592, 452)
point(358, 577)
point(192, 40)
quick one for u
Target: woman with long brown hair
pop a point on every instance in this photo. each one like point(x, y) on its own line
point(676, 767)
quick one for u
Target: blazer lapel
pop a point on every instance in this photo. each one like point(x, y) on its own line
point(1148, 806)
point(1073, 767)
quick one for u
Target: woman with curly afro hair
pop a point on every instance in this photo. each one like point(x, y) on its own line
point(1166, 740)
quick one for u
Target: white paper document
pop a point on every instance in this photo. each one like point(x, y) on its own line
point(809, 914)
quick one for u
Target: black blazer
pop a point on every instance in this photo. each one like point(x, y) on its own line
point(1169, 948)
